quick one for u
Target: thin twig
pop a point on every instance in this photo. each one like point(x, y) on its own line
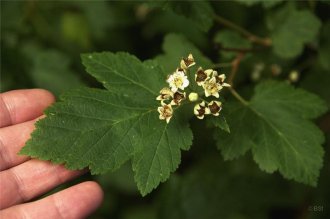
point(250, 36)
point(238, 97)
point(235, 65)
point(245, 50)
point(223, 65)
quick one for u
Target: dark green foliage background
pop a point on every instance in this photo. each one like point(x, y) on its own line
point(41, 42)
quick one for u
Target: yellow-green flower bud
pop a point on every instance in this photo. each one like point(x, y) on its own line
point(193, 96)
point(294, 76)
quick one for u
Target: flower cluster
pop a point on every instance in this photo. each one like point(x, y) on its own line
point(212, 83)
point(213, 107)
point(209, 80)
point(174, 94)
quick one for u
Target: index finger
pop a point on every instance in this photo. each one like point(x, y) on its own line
point(23, 105)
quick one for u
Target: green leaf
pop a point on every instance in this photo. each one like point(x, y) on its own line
point(125, 74)
point(50, 69)
point(292, 31)
point(169, 22)
point(219, 122)
point(275, 125)
point(231, 39)
point(102, 129)
point(200, 12)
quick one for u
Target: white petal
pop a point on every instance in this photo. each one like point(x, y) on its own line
point(222, 76)
point(216, 94)
point(185, 83)
point(170, 79)
point(200, 117)
point(174, 89)
point(183, 64)
point(196, 107)
point(213, 80)
point(218, 103)
point(208, 71)
point(173, 103)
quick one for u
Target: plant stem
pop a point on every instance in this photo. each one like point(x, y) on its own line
point(238, 97)
point(250, 36)
point(222, 65)
point(245, 50)
point(235, 64)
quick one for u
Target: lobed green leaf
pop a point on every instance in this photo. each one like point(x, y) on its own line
point(103, 129)
point(275, 125)
point(292, 29)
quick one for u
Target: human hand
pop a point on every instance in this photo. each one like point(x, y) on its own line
point(22, 179)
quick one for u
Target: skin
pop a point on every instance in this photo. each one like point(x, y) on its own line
point(23, 179)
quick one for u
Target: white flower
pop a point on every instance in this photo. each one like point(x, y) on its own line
point(165, 112)
point(215, 107)
point(165, 94)
point(187, 62)
point(178, 97)
point(212, 88)
point(178, 80)
point(200, 110)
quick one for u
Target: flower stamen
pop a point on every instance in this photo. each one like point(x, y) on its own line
point(215, 107)
point(187, 62)
point(200, 110)
point(165, 112)
point(178, 97)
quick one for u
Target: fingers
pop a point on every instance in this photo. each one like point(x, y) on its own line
point(31, 179)
point(22, 105)
point(75, 202)
point(12, 139)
